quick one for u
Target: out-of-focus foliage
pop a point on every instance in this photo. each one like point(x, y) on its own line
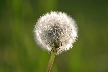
point(19, 52)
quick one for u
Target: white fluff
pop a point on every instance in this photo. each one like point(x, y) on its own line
point(55, 28)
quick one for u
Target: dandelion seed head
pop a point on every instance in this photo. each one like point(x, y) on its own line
point(56, 29)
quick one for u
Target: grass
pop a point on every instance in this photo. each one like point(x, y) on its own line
point(19, 52)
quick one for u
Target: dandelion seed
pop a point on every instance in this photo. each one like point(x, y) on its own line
point(55, 29)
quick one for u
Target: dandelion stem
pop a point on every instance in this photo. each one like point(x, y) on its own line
point(51, 60)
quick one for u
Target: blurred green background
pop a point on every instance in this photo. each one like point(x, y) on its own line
point(19, 52)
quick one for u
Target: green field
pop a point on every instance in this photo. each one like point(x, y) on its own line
point(20, 53)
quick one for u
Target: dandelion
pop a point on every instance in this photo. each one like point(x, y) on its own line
point(55, 32)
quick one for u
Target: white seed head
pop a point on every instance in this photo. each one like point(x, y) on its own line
point(56, 29)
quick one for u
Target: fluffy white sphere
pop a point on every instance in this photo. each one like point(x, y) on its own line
point(56, 29)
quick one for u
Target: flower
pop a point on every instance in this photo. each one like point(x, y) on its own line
point(56, 29)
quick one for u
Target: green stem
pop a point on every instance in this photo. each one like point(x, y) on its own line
point(51, 61)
